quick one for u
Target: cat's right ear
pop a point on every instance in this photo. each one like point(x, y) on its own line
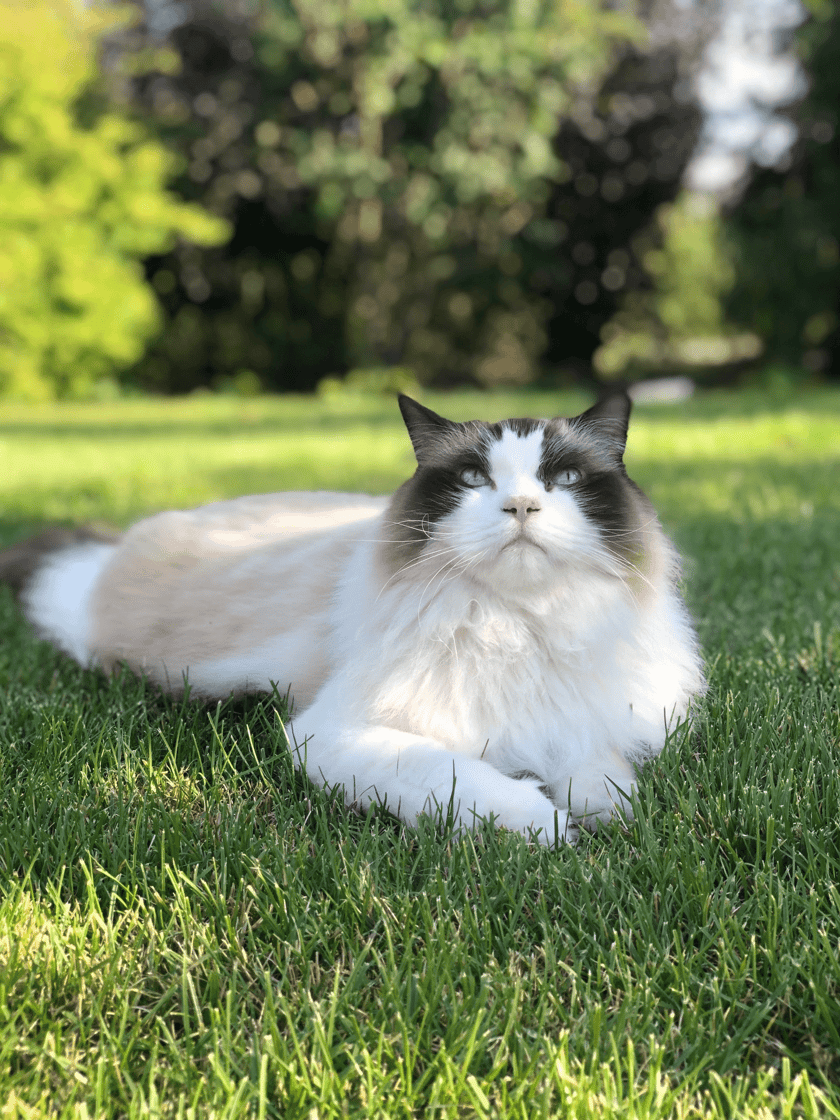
point(425, 427)
point(610, 417)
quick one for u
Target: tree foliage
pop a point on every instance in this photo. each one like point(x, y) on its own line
point(82, 202)
point(679, 319)
point(452, 187)
point(625, 160)
point(785, 229)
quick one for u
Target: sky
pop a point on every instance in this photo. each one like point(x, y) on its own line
point(743, 81)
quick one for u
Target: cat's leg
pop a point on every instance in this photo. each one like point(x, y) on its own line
point(412, 775)
point(599, 792)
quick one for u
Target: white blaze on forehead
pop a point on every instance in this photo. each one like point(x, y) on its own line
point(514, 461)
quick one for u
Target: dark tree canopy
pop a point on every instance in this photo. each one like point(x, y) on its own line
point(451, 187)
point(785, 228)
point(624, 162)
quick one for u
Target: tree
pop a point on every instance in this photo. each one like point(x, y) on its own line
point(679, 320)
point(784, 230)
point(625, 160)
point(82, 202)
point(403, 180)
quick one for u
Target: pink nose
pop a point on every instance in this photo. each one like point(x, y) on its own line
point(522, 507)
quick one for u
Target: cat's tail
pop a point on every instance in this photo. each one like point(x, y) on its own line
point(53, 575)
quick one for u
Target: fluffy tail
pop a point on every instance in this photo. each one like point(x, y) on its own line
point(53, 576)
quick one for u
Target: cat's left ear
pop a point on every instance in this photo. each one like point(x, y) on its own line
point(610, 418)
point(425, 427)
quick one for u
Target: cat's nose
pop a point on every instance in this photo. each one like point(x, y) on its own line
point(522, 507)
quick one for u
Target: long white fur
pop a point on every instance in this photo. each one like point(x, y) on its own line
point(57, 602)
point(509, 646)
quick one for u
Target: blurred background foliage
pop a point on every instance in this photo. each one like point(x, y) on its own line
point(82, 204)
point(267, 194)
point(784, 230)
point(454, 188)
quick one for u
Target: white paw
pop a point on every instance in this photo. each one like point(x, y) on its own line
point(536, 817)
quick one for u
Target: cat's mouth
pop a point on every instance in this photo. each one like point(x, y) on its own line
point(523, 539)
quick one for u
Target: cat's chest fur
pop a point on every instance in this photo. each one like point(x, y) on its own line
point(485, 674)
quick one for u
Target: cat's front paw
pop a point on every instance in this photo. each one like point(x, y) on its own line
point(532, 814)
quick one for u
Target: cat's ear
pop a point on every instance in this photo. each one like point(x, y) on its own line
point(425, 427)
point(610, 418)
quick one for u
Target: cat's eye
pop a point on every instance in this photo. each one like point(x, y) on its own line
point(568, 477)
point(472, 476)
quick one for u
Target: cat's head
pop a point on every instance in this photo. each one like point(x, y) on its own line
point(519, 502)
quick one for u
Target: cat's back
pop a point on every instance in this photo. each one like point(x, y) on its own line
point(231, 586)
point(245, 524)
point(187, 587)
point(251, 544)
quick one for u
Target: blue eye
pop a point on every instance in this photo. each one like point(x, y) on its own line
point(474, 478)
point(569, 477)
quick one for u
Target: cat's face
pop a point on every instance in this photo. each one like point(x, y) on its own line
point(518, 502)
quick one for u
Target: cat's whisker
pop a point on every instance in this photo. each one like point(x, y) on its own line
point(416, 563)
point(442, 568)
point(622, 536)
point(622, 570)
point(424, 558)
point(379, 540)
point(420, 528)
point(634, 530)
point(449, 571)
point(637, 573)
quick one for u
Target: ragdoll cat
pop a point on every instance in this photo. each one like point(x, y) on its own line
point(503, 638)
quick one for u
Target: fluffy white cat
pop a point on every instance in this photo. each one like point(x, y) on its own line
point(503, 638)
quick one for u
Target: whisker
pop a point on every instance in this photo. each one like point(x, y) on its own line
point(454, 570)
point(442, 568)
point(420, 560)
point(622, 570)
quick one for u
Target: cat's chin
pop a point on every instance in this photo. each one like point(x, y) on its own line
point(523, 569)
point(520, 566)
point(524, 546)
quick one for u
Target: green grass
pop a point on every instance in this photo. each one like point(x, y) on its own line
point(188, 928)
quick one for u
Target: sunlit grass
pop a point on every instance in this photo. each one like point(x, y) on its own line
point(188, 928)
point(71, 462)
point(117, 461)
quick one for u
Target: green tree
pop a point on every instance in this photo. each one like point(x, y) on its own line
point(439, 185)
point(678, 319)
point(451, 186)
point(82, 202)
point(624, 163)
point(784, 232)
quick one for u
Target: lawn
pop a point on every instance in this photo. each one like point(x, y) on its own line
point(189, 929)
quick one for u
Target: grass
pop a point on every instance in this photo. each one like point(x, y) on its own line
point(188, 928)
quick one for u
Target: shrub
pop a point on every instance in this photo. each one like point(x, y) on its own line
point(82, 201)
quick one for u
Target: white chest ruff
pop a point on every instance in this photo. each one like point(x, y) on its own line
point(524, 692)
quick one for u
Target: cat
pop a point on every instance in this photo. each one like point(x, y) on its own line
point(504, 638)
